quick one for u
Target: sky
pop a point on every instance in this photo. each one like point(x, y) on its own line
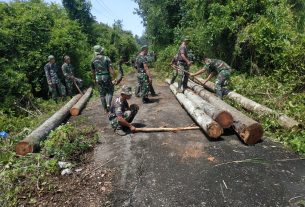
point(107, 11)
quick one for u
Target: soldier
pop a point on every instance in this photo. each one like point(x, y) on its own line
point(121, 114)
point(183, 64)
point(103, 72)
point(144, 76)
point(214, 67)
point(68, 72)
point(174, 65)
point(56, 88)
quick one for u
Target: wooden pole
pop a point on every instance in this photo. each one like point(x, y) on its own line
point(165, 129)
point(74, 81)
point(255, 107)
point(249, 130)
point(75, 110)
point(31, 143)
point(209, 126)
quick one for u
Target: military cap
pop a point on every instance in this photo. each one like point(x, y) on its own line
point(66, 57)
point(98, 49)
point(126, 90)
point(185, 39)
point(144, 47)
point(51, 57)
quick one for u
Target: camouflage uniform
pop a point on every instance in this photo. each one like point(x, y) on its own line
point(175, 72)
point(121, 108)
point(56, 88)
point(101, 64)
point(143, 80)
point(224, 71)
point(182, 76)
point(68, 72)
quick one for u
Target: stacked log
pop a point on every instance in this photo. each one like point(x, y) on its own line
point(249, 130)
point(255, 107)
point(31, 143)
point(209, 126)
point(75, 110)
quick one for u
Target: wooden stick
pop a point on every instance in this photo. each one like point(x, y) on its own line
point(77, 87)
point(164, 129)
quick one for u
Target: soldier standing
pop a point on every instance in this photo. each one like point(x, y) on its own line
point(183, 64)
point(121, 114)
point(68, 72)
point(144, 76)
point(102, 73)
point(55, 86)
point(174, 65)
point(219, 68)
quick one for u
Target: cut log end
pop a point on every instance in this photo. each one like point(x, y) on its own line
point(23, 148)
point(252, 134)
point(214, 130)
point(224, 119)
point(74, 111)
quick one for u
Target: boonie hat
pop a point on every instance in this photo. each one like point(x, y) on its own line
point(126, 90)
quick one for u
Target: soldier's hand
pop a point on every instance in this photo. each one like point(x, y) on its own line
point(132, 128)
point(115, 82)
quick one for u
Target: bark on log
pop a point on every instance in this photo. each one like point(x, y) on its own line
point(165, 129)
point(209, 126)
point(249, 130)
point(31, 143)
point(75, 110)
point(260, 109)
point(222, 117)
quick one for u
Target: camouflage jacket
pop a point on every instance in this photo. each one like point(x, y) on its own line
point(182, 50)
point(119, 107)
point(67, 70)
point(51, 73)
point(217, 66)
point(101, 64)
point(140, 61)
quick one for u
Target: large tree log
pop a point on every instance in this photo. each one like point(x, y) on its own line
point(165, 129)
point(255, 107)
point(74, 111)
point(209, 126)
point(249, 130)
point(222, 117)
point(31, 142)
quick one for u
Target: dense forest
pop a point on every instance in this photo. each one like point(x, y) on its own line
point(263, 40)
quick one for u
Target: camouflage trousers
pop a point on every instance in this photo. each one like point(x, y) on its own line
point(57, 90)
point(182, 76)
point(222, 81)
point(143, 84)
point(106, 90)
point(70, 85)
point(174, 76)
point(128, 116)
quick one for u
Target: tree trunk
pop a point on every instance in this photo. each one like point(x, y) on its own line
point(165, 129)
point(260, 109)
point(249, 130)
point(222, 117)
point(74, 111)
point(31, 142)
point(209, 126)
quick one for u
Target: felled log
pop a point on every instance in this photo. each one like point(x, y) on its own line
point(209, 126)
point(222, 117)
point(249, 130)
point(74, 111)
point(31, 143)
point(165, 129)
point(255, 107)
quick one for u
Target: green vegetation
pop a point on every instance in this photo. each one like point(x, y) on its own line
point(263, 40)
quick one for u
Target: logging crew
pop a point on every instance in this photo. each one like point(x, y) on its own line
point(102, 73)
point(56, 88)
point(144, 76)
point(121, 114)
point(183, 64)
point(221, 69)
point(70, 79)
point(174, 65)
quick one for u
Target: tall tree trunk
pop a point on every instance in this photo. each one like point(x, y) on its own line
point(74, 111)
point(249, 130)
point(209, 126)
point(255, 107)
point(32, 142)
